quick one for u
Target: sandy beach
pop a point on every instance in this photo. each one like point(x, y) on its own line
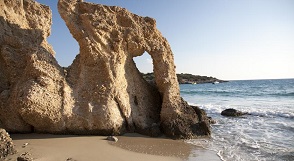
point(46, 147)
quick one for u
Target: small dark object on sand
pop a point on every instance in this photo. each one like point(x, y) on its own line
point(24, 157)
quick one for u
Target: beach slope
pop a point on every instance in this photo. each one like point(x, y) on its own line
point(47, 147)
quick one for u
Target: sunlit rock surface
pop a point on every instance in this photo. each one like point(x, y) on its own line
point(102, 92)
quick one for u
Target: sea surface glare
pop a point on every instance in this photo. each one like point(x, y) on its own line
point(267, 134)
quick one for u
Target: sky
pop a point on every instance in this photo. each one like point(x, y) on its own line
point(226, 39)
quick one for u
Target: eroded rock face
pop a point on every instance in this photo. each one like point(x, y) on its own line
point(102, 92)
point(109, 38)
point(31, 81)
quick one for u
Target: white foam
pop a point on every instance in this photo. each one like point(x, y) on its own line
point(250, 137)
point(265, 134)
point(261, 112)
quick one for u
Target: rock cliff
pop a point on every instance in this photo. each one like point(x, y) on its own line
point(31, 80)
point(102, 92)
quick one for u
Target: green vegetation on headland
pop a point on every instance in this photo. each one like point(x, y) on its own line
point(185, 78)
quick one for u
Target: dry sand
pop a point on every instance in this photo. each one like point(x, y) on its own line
point(130, 147)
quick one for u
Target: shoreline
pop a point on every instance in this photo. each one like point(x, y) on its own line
point(48, 147)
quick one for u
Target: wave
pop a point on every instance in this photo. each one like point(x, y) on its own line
point(264, 112)
point(290, 94)
point(238, 93)
point(259, 136)
point(224, 93)
point(273, 114)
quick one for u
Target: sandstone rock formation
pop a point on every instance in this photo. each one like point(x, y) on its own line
point(6, 145)
point(102, 92)
point(31, 81)
point(109, 38)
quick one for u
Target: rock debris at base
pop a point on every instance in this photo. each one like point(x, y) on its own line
point(6, 145)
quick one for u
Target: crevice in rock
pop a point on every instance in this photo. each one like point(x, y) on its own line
point(32, 129)
point(128, 127)
point(136, 101)
point(4, 83)
point(199, 112)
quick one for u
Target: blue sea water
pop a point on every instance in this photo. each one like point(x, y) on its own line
point(267, 134)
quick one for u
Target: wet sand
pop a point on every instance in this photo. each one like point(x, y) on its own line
point(46, 147)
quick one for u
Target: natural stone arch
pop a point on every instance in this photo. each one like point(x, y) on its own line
point(109, 37)
point(102, 92)
point(104, 78)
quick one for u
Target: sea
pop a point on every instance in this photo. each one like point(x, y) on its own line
point(267, 134)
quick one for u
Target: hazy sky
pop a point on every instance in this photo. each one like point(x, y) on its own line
point(227, 39)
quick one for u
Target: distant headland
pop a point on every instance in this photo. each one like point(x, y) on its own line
point(185, 78)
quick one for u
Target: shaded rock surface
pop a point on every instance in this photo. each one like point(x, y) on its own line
point(102, 92)
point(6, 145)
point(232, 112)
point(31, 82)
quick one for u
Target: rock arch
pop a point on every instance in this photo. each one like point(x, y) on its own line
point(102, 92)
point(113, 36)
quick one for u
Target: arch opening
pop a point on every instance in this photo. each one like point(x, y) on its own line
point(144, 63)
